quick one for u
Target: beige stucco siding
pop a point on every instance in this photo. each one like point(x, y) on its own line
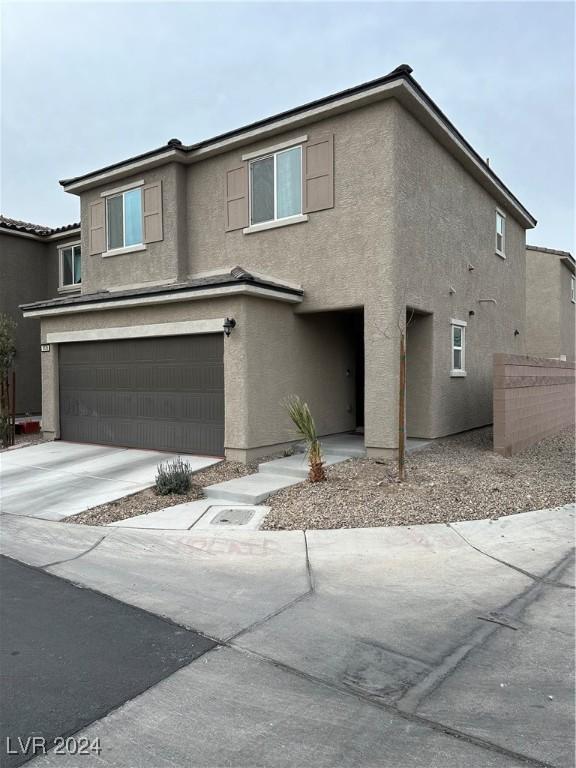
point(567, 315)
point(332, 253)
point(342, 257)
point(407, 224)
point(159, 263)
point(419, 368)
point(288, 354)
point(543, 303)
point(550, 312)
point(445, 224)
point(271, 354)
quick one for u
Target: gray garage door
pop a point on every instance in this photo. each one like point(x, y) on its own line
point(165, 393)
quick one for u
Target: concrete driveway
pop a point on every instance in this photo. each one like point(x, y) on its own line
point(56, 479)
point(433, 646)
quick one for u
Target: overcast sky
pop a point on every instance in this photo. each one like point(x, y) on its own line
point(88, 84)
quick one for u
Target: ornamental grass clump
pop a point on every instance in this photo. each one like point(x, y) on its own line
point(174, 476)
point(300, 414)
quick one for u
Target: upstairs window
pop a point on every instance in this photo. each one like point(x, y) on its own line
point(124, 219)
point(573, 289)
point(70, 266)
point(500, 234)
point(458, 348)
point(276, 186)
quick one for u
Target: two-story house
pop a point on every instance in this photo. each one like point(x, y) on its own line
point(284, 257)
point(36, 263)
point(550, 303)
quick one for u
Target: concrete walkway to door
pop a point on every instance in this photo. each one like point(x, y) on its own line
point(57, 479)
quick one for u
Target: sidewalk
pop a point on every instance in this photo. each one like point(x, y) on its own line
point(427, 646)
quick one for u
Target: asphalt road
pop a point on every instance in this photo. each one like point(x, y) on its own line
point(70, 655)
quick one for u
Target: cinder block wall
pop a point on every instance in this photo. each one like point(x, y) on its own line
point(534, 398)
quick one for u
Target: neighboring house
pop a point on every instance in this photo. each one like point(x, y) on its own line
point(550, 303)
point(36, 263)
point(314, 233)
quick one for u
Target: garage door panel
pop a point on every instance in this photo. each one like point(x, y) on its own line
point(138, 377)
point(144, 405)
point(165, 393)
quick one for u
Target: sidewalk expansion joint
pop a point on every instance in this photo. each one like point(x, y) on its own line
point(392, 709)
point(259, 622)
point(533, 576)
point(422, 689)
point(76, 557)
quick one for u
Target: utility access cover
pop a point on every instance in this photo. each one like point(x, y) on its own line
point(233, 516)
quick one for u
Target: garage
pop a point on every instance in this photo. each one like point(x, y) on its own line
point(161, 393)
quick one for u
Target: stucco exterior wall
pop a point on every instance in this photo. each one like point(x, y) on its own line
point(271, 354)
point(23, 267)
point(543, 280)
point(446, 224)
point(550, 312)
point(289, 354)
point(419, 368)
point(342, 257)
point(407, 224)
point(567, 315)
point(29, 272)
point(159, 263)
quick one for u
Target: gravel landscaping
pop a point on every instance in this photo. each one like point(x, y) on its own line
point(24, 440)
point(144, 502)
point(455, 478)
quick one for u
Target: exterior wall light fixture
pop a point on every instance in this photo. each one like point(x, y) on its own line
point(229, 323)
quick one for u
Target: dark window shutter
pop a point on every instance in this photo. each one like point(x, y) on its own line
point(97, 230)
point(152, 212)
point(318, 173)
point(237, 198)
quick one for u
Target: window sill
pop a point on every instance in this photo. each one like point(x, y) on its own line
point(121, 251)
point(499, 253)
point(70, 288)
point(300, 219)
point(457, 374)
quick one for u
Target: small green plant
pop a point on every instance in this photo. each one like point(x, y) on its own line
point(174, 476)
point(300, 414)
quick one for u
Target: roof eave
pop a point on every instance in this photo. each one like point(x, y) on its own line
point(398, 85)
point(109, 302)
point(44, 238)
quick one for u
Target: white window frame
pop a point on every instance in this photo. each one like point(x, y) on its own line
point(275, 156)
point(573, 289)
point(121, 192)
point(500, 252)
point(68, 286)
point(458, 372)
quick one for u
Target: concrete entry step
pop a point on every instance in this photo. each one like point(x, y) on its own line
point(349, 444)
point(296, 465)
point(251, 489)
